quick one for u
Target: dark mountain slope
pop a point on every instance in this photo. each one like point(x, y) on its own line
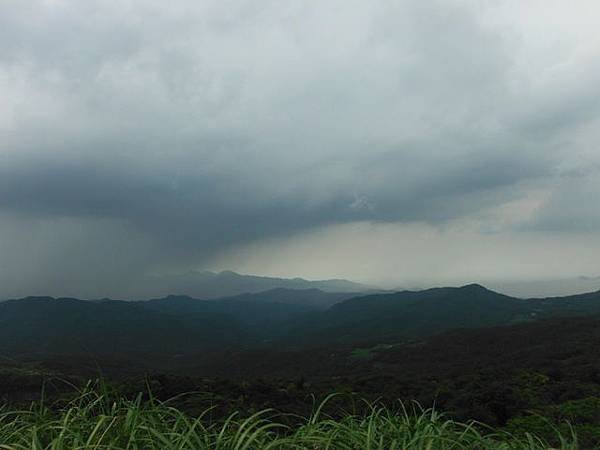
point(264, 309)
point(251, 312)
point(558, 346)
point(572, 305)
point(171, 325)
point(178, 325)
point(490, 373)
point(308, 298)
point(392, 317)
point(43, 325)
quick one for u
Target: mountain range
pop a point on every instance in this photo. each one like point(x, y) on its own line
point(389, 317)
point(210, 285)
point(181, 326)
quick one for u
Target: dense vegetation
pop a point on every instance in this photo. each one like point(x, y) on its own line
point(96, 420)
point(279, 318)
point(528, 377)
point(531, 366)
point(39, 326)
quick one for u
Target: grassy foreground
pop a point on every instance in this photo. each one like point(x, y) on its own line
point(96, 421)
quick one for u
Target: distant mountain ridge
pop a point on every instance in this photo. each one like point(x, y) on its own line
point(209, 285)
point(49, 326)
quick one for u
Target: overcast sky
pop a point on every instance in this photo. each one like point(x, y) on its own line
point(407, 143)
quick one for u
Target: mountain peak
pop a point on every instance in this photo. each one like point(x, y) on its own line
point(228, 273)
point(174, 297)
point(474, 287)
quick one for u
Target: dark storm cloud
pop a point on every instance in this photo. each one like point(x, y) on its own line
point(189, 128)
point(209, 209)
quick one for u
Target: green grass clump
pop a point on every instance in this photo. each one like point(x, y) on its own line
point(97, 421)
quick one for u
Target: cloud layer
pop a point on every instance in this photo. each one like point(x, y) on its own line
point(142, 136)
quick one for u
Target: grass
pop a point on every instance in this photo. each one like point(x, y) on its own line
point(95, 420)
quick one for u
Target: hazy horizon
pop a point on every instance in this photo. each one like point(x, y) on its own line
point(190, 284)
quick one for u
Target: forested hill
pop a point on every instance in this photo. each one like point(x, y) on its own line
point(389, 317)
point(179, 325)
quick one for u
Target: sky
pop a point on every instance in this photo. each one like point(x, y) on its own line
point(401, 143)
